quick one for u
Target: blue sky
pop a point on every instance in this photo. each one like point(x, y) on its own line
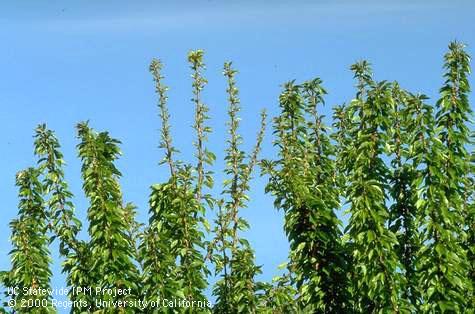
point(62, 63)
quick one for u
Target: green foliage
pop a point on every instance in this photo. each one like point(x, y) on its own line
point(374, 276)
point(63, 222)
point(279, 296)
point(232, 255)
point(61, 209)
point(443, 260)
point(203, 156)
point(304, 184)
point(166, 138)
point(110, 248)
point(30, 255)
point(404, 174)
point(173, 244)
point(403, 216)
point(171, 251)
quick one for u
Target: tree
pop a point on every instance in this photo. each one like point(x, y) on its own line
point(401, 168)
point(30, 255)
point(177, 268)
point(443, 260)
point(236, 291)
point(375, 263)
point(417, 125)
point(110, 249)
point(304, 185)
point(60, 211)
point(407, 140)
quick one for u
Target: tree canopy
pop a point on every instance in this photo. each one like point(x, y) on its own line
point(401, 169)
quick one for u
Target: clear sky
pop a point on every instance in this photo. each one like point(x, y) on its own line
point(65, 62)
